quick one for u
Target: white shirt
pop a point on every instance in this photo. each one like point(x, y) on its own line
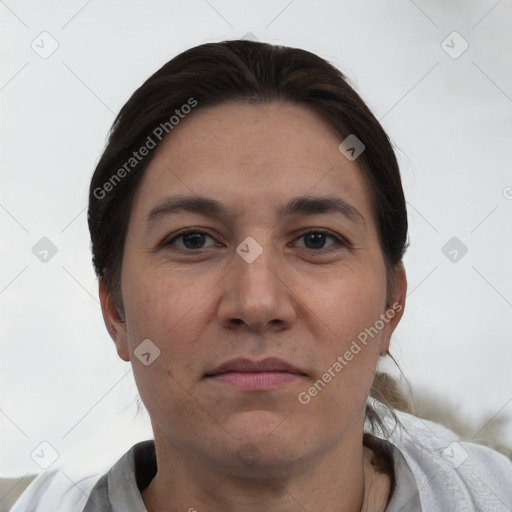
point(434, 472)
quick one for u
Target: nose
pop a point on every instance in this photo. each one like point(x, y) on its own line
point(258, 294)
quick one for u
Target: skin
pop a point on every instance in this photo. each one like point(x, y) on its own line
point(295, 301)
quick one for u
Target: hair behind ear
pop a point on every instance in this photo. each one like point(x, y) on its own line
point(386, 390)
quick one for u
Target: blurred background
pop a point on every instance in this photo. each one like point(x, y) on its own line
point(437, 74)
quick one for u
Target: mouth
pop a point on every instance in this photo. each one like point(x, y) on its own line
point(255, 375)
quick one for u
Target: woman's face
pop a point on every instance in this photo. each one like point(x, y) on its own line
point(256, 318)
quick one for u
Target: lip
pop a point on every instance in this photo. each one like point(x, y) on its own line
point(255, 375)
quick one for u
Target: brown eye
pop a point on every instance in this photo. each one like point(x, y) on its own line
point(315, 240)
point(191, 239)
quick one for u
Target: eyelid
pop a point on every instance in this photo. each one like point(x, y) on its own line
point(323, 231)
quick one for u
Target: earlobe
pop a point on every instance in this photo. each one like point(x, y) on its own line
point(114, 322)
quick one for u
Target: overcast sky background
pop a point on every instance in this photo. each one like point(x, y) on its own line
point(448, 111)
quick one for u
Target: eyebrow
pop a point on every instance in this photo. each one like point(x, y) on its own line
point(302, 205)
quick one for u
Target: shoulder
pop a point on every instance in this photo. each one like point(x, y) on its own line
point(11, 488)
point(56, 490)
point(74, 488)
point(447, 470)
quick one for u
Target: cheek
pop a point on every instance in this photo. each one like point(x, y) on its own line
point(167, 312)
point(353, 301)
point(170, 310)
point(157, 302)
point(350, 310)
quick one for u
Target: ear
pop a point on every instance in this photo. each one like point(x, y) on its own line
point(115, 324)
point(394, 308)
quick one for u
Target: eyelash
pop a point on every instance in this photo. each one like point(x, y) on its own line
point(340, 242)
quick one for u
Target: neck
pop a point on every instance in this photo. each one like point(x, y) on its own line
point(340, 479)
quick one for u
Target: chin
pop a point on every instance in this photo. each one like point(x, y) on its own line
point(260, 443)
point(256, 460)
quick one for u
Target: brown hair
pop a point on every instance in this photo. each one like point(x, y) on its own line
point(213, 74)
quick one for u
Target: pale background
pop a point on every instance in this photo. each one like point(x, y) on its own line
point(451, 118)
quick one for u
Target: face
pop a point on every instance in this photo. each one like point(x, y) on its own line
point(265, 300)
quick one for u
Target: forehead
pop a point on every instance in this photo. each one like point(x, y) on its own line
point(252, 156)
